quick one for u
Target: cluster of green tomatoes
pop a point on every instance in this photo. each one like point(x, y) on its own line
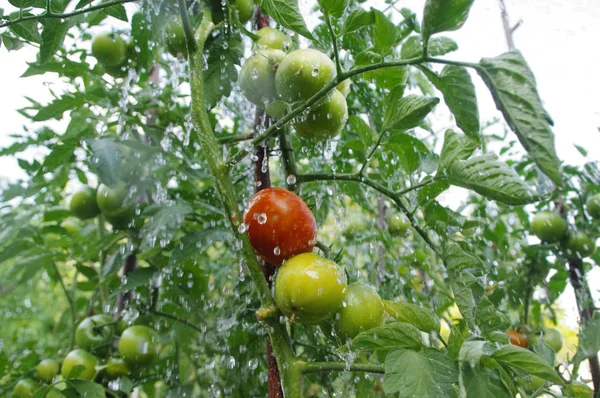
point(308, 288)
point(93, 359)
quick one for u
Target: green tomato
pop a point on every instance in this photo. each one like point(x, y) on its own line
point(344, 87)
point(580, 245)
point(272, 38)
point(83, 358)
point(109, 49)
point(302, 73)
point(257, 78)
point(54, 393)
point(71, 225)
point(122, 70)
point(551, 336)
point(138, 345)
point(47, 370)
point(354, 229)
point(94, 334)
point(532, 386)
point(116, 367)
point(548, 226)
point(362, 310)
point(113, 204)
point(398, 224)
point(176, 41)
point(245, 9)
point(24, 388)
point(309, 288)
point(326, 121)
point(593, 206)
point(83, 204)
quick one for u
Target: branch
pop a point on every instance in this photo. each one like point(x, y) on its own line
point(173, 317)
point(317, 367)
point(49, 15)
point(71, 304)
point(336, 52)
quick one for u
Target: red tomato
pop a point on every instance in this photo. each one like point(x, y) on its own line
point(279, 225)
point(517, 338)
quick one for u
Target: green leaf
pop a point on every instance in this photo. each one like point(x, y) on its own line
point(427, 373)
point(53, 36)
point(409, 149)
point(473, 351)
point(22, 3)
point(64, 68)
point(117, 11)
point(443, 16)
point(27, 30)
point(456, 147)
point(589, 340)
point(489, 319)
point(358, 19)
point(578, 389)
point(335, 8)
point(514, 89)
point(286, 13)
point(431, 191)
point(526, 361)
point(108, 160)
point(61, 155)
point(490, 177)
point(10, 43)
point(406, 112)
point(455, 342)
point(387, 337)
point(384, 33)
point(88, 389)
point(139, 277)
point(141, 32)
point(163, 224)
point(225, 51)
point(359, 127)
point(456, 259)
point(56, 108)
point(386, 78)
point(482, 382)
point(424, 319)
point(413, 47)
point(459, 94)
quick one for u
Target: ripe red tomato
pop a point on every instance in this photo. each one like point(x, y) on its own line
point(280, 225)
point(516, 338)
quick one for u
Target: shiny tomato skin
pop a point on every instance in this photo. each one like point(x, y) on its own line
point(279, 225)
point(516, 338)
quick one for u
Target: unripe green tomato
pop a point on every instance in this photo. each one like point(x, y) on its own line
point(138, 345)
point(257, 78)
point(398, 224)
point(54, 393)
point(580, 245)
point(344, 87)
point(532, 386)
point(327, 120)
point(71, 225)
point(109, 49)
point(113, 204)
point(245, 9)
point(302, 73)
point(24, 388)
point(83, 204)
point(354, 229)
point(80, 357)
point(309, 288)
point(94, 334)
point(593, 206)
point(122, 70)
point(116, 367)
point(47, 370)
point(272, 38)
point(361, 310)
point(551, 336)
point(548, 226)
point(176, 41)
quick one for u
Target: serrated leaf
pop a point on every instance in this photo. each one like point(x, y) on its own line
point(413, 47)
point(224, 53)
point(514, 90)
point(56, 108)
point(459, 94)
point(384, 33)
point(407, 112)
point(163, 225)
point(455, 342)
point(443, 16)
point(335, 8)
point(359, 127)
point(467, 291)
point(386, 78)
point(63, 68)
point(456, 259)
point(358, 19)
point(117, 11)
point(482, 382)
point(27, 30)
point(88, 389)
point(387, 337)
point(53, 36)
point(108, 160)
point(456, 147)
point(489, 319)
point(409, 149)
point(473, 351)
point(589, 340)
point(424, 319)
point(61, 155)
point(425, 374)
point(491, 178)
point(526, 361)
point(286, 13)
point(22, 3)
point(141, 32)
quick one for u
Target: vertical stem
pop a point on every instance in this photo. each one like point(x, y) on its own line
point(380, 266)
point(70, 300)
point(289, 159)
point(123, 298)
point(336, 52)
point(506, 24)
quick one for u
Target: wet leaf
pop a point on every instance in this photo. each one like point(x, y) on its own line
point(423, 318)
point(444, 15)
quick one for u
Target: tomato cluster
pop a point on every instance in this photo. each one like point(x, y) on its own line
point(551, 336)
point(552, 228)
point(138, 347)
point(271, 75)
point(308, 288)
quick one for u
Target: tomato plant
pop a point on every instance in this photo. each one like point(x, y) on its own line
point(109, 49)
point(94, 334)
point(327, 120)
point(257, 78)
point(272, 38)
point(302, 73)
point(47, 370)
point(79, 364)
point(362, 310)
point(548, 226)
point(138, 345)
point(83, 204)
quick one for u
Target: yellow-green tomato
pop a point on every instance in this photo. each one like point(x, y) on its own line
point(593, 206)
point(310, 288)
point(109, 49)
point(54, 393)
point(326, 121)
point(176, 41)
point(245, 9)
point(551, 336)
point(272, 38)
point(113, 202)
point(548, 226)
point(116, 367)
point(24, 388)
point(344, 87)
point(47, 370)
point(257, 78)
point(532, 386)
point(94, 334)
point(83, 358)
point(83, 204)
point(580, 245)
point(398, 224)
point(302, 73)
point(138, 345)
point(361, 310)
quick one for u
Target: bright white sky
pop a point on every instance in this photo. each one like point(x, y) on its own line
point(559, 39)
